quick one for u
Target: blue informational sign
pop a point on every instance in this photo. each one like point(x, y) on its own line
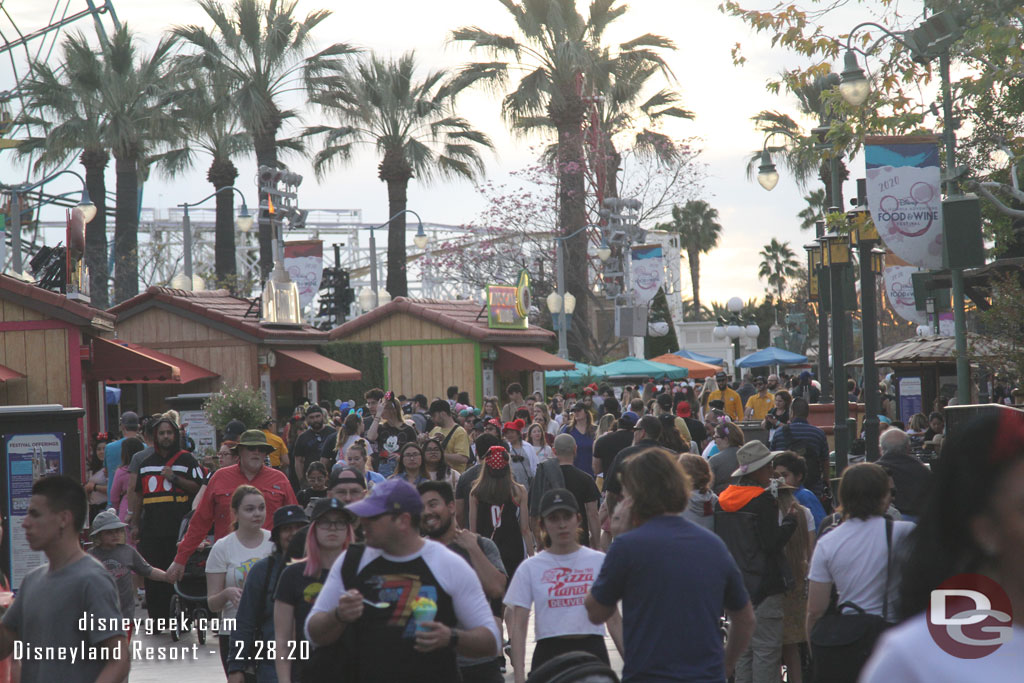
point(911, 401)
point(30, 457)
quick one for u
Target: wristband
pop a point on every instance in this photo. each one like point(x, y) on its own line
point(453, 639)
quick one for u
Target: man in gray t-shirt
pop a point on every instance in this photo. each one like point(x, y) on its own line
point(55, 601)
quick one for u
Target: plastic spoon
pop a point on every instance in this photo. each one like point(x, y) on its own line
point(378, 605)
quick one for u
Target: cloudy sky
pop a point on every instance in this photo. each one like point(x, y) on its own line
point(722, 96)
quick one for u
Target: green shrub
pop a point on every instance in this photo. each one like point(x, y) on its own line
point(367, 357)
point(236, 403)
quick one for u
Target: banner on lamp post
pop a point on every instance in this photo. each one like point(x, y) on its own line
point(304, 261)
point(899, 289)
point(905, 196)
point(646, 272)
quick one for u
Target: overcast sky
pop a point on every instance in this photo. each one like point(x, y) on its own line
point(722, 96)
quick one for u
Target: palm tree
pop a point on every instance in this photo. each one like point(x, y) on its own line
point(699, 231)
point(63, 101)
point(412, 125)
point(814, 211)
point(211, 125)
point(132, 93)
point(261, 46)
point(778, 264)
point(560, 50)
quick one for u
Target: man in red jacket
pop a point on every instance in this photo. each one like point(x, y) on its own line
point(215, 507)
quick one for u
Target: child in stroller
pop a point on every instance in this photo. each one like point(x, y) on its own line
point(188, 604)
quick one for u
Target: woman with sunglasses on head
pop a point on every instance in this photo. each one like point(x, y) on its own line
point(329, 535)
point(390, 433)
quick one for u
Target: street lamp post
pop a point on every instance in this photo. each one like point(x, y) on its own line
point(865, 234)
point(85, 206)
point(835, 255)
point(420, 240)
point(734, 328)
point(933, 38)
point(243, 222)
point(563, 303)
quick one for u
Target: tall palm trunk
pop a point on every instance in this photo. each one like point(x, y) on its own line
point(222, 174)
point(395, 171)
point(612, 158)
point(572, 216)
point(693, 256)
point(266, 155)
point(126, 230)
point(95, 163)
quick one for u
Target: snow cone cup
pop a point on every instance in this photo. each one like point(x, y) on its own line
point(423, 610)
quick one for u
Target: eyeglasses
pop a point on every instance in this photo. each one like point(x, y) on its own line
point(331, 524)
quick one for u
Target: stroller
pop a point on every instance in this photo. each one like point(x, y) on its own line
point(188, 604)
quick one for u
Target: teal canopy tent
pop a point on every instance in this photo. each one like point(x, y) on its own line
point(630, 368)
point(769, 357)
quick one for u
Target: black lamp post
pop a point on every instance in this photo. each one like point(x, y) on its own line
point(835, 256)
point(864, 235)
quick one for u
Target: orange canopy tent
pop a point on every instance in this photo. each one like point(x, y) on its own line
point(697, 369)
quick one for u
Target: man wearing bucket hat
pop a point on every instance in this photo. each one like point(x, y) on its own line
point(370, 588)
point(747, 519)
point(215, 507)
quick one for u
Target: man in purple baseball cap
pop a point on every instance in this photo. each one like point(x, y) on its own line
point(382, 589)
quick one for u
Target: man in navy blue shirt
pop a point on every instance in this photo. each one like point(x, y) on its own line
point(674, 579)
point(807, 440)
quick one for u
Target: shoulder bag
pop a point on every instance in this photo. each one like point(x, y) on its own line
point(842, 643)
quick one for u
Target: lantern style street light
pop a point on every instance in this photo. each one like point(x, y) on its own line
point(243, 222)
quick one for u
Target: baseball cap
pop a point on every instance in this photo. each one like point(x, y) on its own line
point(325, 505)
point(720, 375)
point(665, 401)
point(558, 499)
point(233, 430)
point(392, 496)
point(130, 420)
point(630, 418)
point(346, 474)
point(289, 514)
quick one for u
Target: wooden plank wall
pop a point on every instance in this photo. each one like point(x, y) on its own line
point(402, 326)
point(422, 368)
point(431, 368)
point(42, 355)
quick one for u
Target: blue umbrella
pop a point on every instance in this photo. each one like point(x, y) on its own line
point(770, 356)
point(582, 371)
point(693, 355)
point(639, 367)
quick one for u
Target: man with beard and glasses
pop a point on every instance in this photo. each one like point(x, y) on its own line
point(308, 446)
point(167, 481)
point(438, 523)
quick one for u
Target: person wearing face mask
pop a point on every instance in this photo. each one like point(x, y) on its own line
point(747, 520)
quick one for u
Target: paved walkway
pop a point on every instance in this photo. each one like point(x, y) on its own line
point(157, 659)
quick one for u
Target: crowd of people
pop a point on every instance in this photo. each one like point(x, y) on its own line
point(411, 539)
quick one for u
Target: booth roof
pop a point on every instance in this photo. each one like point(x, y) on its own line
point(217, 306)
point(54, 304)
point(464, 317)
point(930, 349)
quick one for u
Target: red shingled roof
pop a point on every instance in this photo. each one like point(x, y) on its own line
point(54, 304)
point(217, 305)
point(467, 318)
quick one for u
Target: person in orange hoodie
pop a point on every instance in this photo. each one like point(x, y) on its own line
point(747, 519)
